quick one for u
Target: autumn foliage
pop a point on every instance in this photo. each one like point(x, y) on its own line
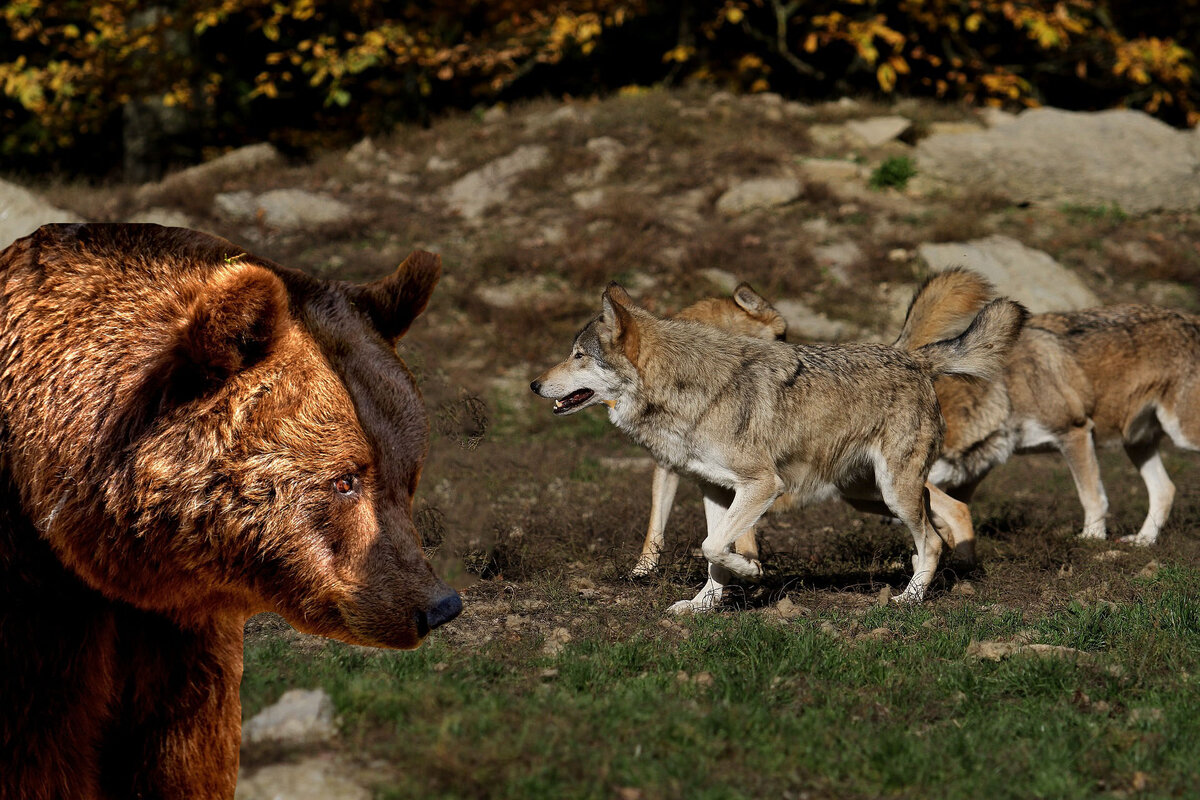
point(304, 72)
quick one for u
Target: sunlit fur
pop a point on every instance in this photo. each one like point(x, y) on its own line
point(173, 416)
point(1126, 373)
point(752, 419)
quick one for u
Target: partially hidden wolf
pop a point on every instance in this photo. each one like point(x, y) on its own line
point(747, 313)
point(1127, 373)
point(190, 435)
point(752, 419)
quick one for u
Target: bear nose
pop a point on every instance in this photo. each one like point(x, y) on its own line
point(444, 608)
point(536, 386)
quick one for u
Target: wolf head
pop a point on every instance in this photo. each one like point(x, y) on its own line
point(603, 359)
point(746, 313)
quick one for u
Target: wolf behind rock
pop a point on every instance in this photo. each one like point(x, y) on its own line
point(190, 435)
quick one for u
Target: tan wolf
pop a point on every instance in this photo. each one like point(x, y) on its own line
point(747, 313)
point(1128, 373)
point(753, 419)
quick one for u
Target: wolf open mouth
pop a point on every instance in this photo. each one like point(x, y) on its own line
point(572, 401)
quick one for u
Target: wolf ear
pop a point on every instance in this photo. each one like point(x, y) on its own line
point(622, 326)
point(757, 306)
point(394, 302)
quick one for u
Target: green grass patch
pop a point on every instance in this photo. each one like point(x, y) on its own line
point(895, 172)
point(744, 705)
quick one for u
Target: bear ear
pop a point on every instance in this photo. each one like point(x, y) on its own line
point(395, 301)
point(622, 326)
point(231, 326)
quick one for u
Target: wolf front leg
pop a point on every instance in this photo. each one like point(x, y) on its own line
point(1080, 452)
point(1146, 458)
point(661, 498)
point(750, 500)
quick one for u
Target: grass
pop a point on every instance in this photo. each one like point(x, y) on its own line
point(746, 705)
point(895, 172)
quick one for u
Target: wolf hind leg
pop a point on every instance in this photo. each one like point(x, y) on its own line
point(1148, 460)
point(952, 521)
point(661, 498)
point(908, 499)
point(750, 500)
point(1078, 449)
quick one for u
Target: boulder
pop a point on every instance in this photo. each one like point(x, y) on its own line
point(1118, 157)
point(490, 185)
point(758, 193)
point(1023, 273)
point(284, 208)
point(876, 131)
point(201, 177)
point(22, 212)
point(300, 716)
point(310, 779)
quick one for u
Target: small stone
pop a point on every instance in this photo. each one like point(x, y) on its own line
point(1150, 570)
point(786, 609)
point(885, 596)
point(877, 131)
point(963, 589)
point(758, 193)
point(496, 113)
point(438, 164)
point(298, 717)
point(704, 679)
point(556, 641)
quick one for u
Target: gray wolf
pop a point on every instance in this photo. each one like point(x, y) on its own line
point(753, 419)
point(746, 313)
point(1127, 373)
point(189, 435)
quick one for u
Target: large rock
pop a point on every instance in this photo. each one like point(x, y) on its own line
point(300, 716)
point(202, 177)
point(310, 779)
point(758, 193)
point(1120, 157)
point(877, 131)
point(490, 185)
point(22, 212)
point(1023, 273)
point(284, 208)
point(806, 325)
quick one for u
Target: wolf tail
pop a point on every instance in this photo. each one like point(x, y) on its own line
point(943, 307)
point(983, 347)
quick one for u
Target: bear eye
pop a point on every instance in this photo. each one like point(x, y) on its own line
point(345, 484)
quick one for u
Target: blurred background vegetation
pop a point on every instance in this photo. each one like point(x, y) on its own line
point(104, 86)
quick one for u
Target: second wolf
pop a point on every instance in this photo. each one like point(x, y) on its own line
point(753, 419)
point(1128, 373)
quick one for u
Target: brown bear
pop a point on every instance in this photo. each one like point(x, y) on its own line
point(190, 435)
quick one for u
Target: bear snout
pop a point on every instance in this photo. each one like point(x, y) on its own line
point(445, 606)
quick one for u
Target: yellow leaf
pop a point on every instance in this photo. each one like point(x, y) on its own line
point(734, 14)
point(886, 75)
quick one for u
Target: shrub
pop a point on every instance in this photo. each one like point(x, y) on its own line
point(895, 171)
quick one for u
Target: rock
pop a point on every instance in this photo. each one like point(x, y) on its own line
point(963, 589)
point(22, 212)
point(203, 177)
point(310, 779)
point(1150, 570)
point(804, 324)
point(438, 164)
point(300, 716)
point(836, 257)
point(721, 97)
point(829, 136)
point(831, 170)
point(1119, 157)
point(885, 597)
point(876, 131)
point(477, 191)
point(1135, 252)
point(365, 155)
point(996, 651)
point(587, 199)
point(758, 193)
point(1023, 273)
point(284, 208)
point(519, 292)
point(496, 113)
point(995, 117)
point(559, 116)
point(940, 128)
point(786, 609)
point(722, 279)
point(167, 217)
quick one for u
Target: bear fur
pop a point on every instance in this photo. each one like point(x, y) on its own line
point(190, 435)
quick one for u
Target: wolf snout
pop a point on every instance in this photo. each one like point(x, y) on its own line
point(444, 607)
point(536, 386)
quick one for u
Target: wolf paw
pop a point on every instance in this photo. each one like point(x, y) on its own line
point(1140, 539)
point(750, 569)
point(1094, 530)
point(688, 607)
point(642, 568)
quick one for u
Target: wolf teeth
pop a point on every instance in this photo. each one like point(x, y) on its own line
point(558, 403)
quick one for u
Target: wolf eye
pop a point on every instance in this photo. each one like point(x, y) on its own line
point(345, 484)
point(579, 355)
